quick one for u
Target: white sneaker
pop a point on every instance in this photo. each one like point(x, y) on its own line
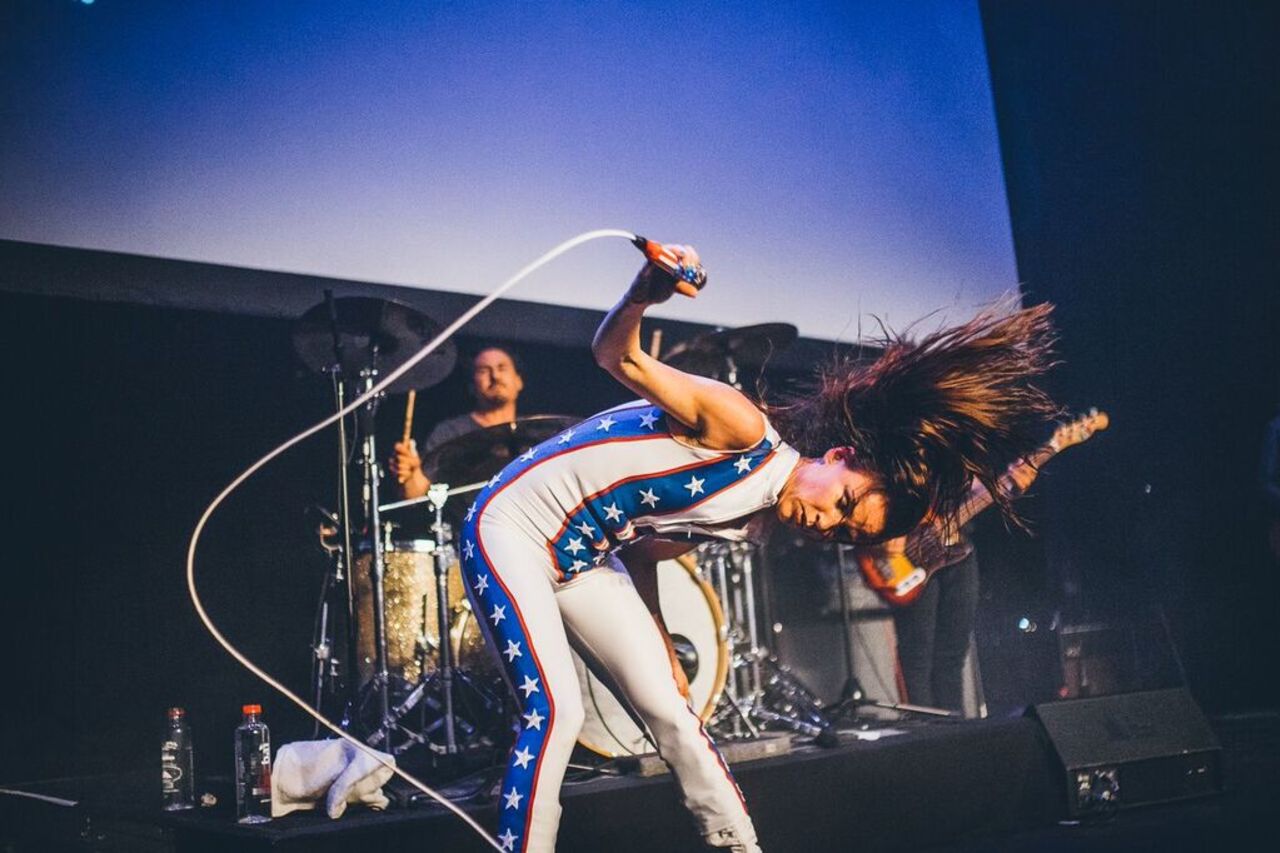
point(735, 839)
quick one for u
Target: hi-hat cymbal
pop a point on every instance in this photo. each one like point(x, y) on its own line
point(374, 333)
point(481, 453)
point(747, 347)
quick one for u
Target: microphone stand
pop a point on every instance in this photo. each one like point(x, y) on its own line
point(852, 696)
point(377, 565)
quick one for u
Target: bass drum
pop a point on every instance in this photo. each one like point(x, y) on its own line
point(694, 618)
point(696, 624)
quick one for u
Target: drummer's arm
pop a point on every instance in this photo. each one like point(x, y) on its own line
point(406, 467)
point(718, 415)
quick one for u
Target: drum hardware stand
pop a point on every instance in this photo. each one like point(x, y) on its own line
point(759, 690)
point(342, 339)
point(381, 683)
point(741, 721)
point(326, 666)
point(439, 689)
point(343, 565)
point(437, 494)
point(743, 682)
point(852, 696)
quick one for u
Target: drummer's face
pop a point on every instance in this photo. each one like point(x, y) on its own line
point(495, 379)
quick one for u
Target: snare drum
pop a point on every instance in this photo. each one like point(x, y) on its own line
point(409, 594)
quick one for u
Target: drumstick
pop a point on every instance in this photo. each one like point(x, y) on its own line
point(408, 415)
point(655, 343)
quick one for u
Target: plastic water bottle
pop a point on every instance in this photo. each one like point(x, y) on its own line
point(177, 782)
point(253, 768)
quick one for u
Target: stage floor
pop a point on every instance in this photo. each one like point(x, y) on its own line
point(949, 787)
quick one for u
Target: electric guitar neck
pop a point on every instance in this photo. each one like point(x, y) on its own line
point(899, 576)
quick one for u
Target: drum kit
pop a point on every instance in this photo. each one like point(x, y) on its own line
point(420, 681)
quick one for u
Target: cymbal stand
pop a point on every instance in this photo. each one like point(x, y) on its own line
point(733, 573)
point(377, 565)
point(743, 607)
point(326, 671)
point(441, 690)
point(342, 559)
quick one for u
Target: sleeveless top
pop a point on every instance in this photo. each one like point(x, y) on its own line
point(621, 474)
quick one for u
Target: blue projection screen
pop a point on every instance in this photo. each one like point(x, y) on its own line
point(831, 161)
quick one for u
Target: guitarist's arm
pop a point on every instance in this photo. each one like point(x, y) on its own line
point(1019, 477)
point(1015, 481)
point(893, 547)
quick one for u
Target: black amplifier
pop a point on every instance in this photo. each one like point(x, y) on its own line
point(1132, 749)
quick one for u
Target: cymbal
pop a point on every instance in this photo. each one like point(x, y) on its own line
point(747, 347)
point(481, 453)
point(374, 333)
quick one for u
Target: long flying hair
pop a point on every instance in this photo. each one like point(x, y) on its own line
point(931, 416)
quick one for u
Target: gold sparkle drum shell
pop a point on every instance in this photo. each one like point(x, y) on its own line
point(410, 601)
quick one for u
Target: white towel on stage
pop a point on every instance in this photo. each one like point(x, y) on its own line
point(309, 770)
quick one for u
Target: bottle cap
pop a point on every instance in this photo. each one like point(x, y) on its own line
point(252, 709)
point(176, 712)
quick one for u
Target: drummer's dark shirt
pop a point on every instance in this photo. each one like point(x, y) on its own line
point(445, 431)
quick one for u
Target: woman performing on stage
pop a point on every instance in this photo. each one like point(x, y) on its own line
point(559, 549)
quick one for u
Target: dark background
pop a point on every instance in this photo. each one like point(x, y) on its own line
point(1138, 141)
point(1139, 144)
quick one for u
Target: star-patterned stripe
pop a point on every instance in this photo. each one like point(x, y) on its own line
point(602, 522)
point(490, 598)
point(610, 511)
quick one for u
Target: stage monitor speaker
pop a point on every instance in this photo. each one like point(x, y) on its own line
point(1132, 749)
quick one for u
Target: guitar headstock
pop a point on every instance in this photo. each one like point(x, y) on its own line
point(1079, 430)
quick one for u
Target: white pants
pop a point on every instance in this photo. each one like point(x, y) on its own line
point(531, 621)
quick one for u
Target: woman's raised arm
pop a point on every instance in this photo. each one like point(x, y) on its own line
point(718, 416)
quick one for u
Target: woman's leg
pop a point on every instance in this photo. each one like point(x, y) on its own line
point(507, 579)
point(610, 625)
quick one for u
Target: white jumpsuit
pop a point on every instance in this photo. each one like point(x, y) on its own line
point(536, 550)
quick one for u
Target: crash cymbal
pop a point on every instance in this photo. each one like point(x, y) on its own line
point(747, 347)
point(481, 453)
point(374, 333)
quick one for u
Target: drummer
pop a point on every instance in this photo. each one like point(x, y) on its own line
point(496, 384)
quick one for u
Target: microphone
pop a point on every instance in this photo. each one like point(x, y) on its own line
point(660, 256)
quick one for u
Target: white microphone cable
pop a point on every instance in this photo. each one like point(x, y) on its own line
point(310, 431)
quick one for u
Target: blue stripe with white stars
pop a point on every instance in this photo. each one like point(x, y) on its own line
point(519, 658)
point(603, 522)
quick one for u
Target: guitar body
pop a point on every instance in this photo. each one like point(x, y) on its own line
point(893, 577)
point(900, 578)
